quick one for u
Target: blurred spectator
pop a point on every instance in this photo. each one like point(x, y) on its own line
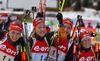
point(2, 9)
point(4, 22)
point(98, 25)
point(81, 23)
point(14, 17)
point(89, 25)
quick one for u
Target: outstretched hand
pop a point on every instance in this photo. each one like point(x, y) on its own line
point(59, 17)
point(39, 15)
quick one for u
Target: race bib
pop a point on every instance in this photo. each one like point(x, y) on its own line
point(39, 56)
point(5, 57)
point(53, 52)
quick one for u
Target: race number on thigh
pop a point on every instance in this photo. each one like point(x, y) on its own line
point(5, 57)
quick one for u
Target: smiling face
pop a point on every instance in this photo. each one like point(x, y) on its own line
point(14, 35)
point(40, 29)
point(67, 28)
point(86, 42)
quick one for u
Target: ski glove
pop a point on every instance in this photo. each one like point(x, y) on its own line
point(60, 18)
point(39, 15)
point(92, 34)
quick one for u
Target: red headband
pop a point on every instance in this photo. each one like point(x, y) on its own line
point(16, 27)
point(67, 21)
point(4, 16)
point(36, 22)
point(84, 34)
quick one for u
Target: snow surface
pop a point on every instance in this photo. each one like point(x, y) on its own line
point(87, 14)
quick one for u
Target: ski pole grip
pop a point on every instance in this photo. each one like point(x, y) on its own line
point(27, 12)
point(34, 8)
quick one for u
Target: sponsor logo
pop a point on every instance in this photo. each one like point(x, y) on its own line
point(8, 50)
point(62, 47)
point(85, 35)
point(86, 59)
point(37, 48)
point(17, 27)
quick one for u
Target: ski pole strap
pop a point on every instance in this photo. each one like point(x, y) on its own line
point(23, 53)
point(75, 48)
point(97, 43)
point(97, 47)
point(23, 56)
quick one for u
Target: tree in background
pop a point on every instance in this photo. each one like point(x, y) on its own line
point(78, 5)
point(67, 3)
point(98, 5)
point(85, 3)
point(51, 24)
point(90, 3)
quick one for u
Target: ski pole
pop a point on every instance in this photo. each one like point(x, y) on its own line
point(57, 45)
point(27, 43)
point(51, 44)
point(44, 8)
point(78, 20)
point(76, 46)
point(23, 54)
point(60, 10)
point(40, 6)
point(97, 46)
point(64, 33)
point(33, 10)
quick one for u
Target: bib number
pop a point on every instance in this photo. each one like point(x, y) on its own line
point(40, 57)
point(53, 53)
point(5, 57)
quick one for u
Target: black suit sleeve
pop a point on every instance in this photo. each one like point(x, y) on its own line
point(69, 56)
point(48, 36)
point(18, 57)
point(1, 34)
